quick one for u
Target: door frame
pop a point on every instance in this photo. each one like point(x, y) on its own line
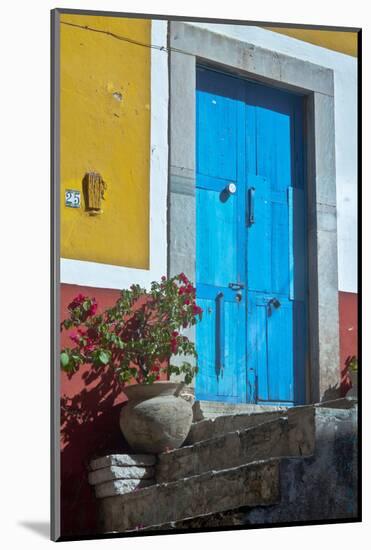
point(189, 46)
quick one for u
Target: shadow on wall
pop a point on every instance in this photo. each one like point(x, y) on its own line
point(90, 407)
point(340, 390)
point(348, 320)
point(89, 427)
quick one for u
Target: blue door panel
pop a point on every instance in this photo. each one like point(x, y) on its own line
point(221, 380)
point(259, 356)
point(279, 346)
point(216, 119)
point(216, 238)
point(270, 348)
point(273, 147)
point(259, 234)
point(280, 279)
point(206, 380)
point(251, 251)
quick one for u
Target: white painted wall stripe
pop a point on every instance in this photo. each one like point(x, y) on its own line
point(110, 276)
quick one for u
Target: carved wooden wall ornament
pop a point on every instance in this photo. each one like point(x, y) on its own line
point(93, 187)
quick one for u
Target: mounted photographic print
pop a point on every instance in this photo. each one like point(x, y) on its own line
point(205, 300)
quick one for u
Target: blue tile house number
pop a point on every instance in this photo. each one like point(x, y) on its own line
point(72, 198)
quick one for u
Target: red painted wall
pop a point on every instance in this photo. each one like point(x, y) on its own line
point(90, 407)
point(348, 320)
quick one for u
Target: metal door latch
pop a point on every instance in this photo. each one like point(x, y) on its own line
point(236, 286)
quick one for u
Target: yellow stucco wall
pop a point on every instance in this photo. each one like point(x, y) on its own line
point(105, 127)
point(344, 42)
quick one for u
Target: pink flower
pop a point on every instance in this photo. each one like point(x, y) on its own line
point(174, 342)
point(183, 278)
point(77, 301)
point(190, 289)
point(93, 308)
point(197, 310)
point(89, 347)
point(74, 337)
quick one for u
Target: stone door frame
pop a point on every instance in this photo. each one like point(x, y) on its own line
point(190, 45)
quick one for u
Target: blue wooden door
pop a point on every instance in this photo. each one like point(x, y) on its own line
point(250, 242)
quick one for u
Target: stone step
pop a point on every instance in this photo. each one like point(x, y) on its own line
point(309, 436)
point(122, 460)
point(295, 434)
point(120, 472)
point(203, 410)
point(310, 426)
point(254, 484)
point(121, 487)
point(267, 440)
point(340, 403)
point(318, 487)
point(220, 425)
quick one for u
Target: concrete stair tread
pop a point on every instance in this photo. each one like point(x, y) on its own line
point(252, 484)
point(213, 409)
point(232, 449)
point(240, 429)
point(220, 425)
point(292, 433)
point(233, 417)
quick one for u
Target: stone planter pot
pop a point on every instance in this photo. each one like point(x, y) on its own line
point(156, 418)
point(353, 392)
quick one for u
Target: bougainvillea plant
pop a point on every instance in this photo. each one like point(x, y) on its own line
point(138, 335)
point(351, 363)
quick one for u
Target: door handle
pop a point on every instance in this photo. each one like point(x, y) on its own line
point(219, 340)
point(251, 206)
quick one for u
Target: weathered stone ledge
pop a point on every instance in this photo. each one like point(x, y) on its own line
point(120, 472)
point(268, 440)
point(121, 487)
point(249, 485)
point(122, 460)
point(220, 425)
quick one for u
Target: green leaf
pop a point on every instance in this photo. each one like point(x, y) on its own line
point(64, 359)
point(104, 357)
